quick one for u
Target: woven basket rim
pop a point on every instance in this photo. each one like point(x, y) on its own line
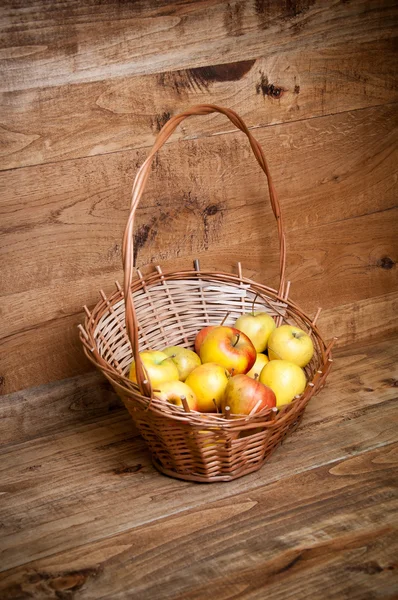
point(195, 418)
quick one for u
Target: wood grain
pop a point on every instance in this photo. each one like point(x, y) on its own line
point(85, 87)
point(60, 44)
point(360, 321)
point(57, 489)
point(346, 165)
point(321, 510)
point(320, 534)
point(111, 115)
point(339, 214)
point(65, 404)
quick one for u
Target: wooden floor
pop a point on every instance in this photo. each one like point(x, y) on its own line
point(84, 515)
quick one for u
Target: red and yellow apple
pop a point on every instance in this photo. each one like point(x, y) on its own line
point(230, 348)
point(208, 383)
point(285, 378)
point(201, 336)
point(185, 360)
point(244, 395)
point(261, 361)
point(158, 366)
point(258, 327)
point(291, 343)
point(173, 391)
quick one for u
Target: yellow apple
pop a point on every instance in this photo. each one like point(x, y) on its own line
point(258, 327)
point(230, 348)
point(159, 368)
point(258, 366)
point(208, 383)
point(285, 378)
point(173, 391)
point(185, 360)
point(291, 343)
point(208, 435)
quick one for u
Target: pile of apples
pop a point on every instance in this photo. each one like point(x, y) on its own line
point(229, 371)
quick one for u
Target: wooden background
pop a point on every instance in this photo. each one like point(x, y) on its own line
point(86, 85)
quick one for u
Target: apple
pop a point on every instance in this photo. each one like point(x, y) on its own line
point(258, 327)
point(211, 440)
point(208, 383)
point(244, 395)
point(285, 378)
point(185, 360)
point(173, 391)
point(158, 366)
point(201, 336)
point(258, 366)
point(230, 348)
point(291, 343)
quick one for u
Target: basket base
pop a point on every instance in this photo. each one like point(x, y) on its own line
point(203, 478)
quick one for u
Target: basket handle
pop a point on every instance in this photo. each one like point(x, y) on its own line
point(137, 192)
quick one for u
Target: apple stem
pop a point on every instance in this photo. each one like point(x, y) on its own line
point(164, 359)
point(224, 319)
point(255, 376)
point(185, 404)
point(237, 339)
point(215, 404)
point(227, 412)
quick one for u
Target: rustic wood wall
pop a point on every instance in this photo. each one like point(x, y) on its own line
point(85, 87)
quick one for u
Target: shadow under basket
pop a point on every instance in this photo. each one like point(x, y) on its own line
point(168, 309)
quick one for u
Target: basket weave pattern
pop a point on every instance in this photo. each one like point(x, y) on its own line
point(165, 309)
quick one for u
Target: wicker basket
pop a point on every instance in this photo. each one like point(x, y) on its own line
point(165, 309)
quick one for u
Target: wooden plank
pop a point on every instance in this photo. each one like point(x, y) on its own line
point(57, 490)
point(83, 41)
point(52, 349)
point(110, 115)
point(65, 404)
point(361, 321)
point(326, 533)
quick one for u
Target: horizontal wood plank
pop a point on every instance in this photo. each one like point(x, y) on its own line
point(111, 115)
point(323, 533)
point(84, 41)
point(361, 321)
point(65, 404)
point(57, 489)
